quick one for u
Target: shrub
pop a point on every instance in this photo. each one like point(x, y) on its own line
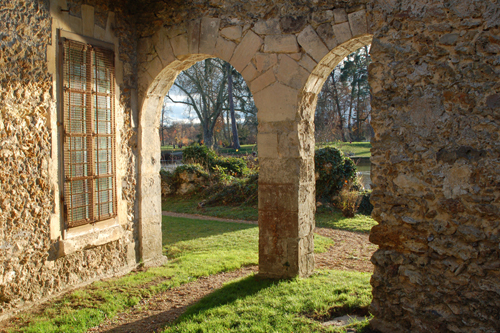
point(365, 207)
point(199, 154)
point(349, 201)
point(239, 191)
point(208, 158)
point(333, 171)
point(233, 165)
point(183, 174)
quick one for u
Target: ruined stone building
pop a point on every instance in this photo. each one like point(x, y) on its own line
point(82, 82)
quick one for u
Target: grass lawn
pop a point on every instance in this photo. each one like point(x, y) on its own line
point(195, 248)
point(359, 149)
point(254, 305)
point(189, 205)
point(326, 217)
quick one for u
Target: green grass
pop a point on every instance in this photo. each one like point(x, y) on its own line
point(254, 305)
point(326, 217)
point(189, 205)
point(195, 248)
point(244, 149)
point(359, 149)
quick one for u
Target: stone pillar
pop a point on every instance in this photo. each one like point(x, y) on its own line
point(286, 187)
point(149, 194)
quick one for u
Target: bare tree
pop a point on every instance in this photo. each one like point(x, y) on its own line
point(205, 86)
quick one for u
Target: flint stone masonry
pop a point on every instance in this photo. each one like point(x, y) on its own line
point(435, 100)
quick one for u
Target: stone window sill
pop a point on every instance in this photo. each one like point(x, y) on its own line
point(89, 236)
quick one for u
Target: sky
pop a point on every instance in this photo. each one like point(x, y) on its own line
point(178, 111)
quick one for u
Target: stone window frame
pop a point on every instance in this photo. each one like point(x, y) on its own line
point(109, 219)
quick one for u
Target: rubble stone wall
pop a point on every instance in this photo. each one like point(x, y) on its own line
point(436, 165)
point(435, 173)
point(33, 261)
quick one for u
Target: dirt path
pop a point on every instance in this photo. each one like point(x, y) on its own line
point(351, 252)
point(151, 315)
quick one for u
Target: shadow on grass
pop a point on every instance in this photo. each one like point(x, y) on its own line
point(178, 229)
point(226, 295)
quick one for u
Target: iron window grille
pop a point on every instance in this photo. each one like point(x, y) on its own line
point(88, 133)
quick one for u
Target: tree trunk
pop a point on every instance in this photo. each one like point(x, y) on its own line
point(236, 140)
point(339, 111)
point(208, 137)
point(358, 117)
point(161, 126)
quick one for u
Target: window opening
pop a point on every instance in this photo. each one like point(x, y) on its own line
point(88, 134)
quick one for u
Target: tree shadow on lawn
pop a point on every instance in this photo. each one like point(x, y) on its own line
point(177, 229)
point(226, 295)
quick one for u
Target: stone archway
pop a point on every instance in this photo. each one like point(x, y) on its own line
point(282, 66)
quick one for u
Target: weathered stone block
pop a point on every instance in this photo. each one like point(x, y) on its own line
point(268, 144)
point(209, 32)
point(342, 32)
point(262, 81)
point(249, 73)
point(163, 48)
point(193, 33)
point(176, 30)
point(264, 61)
point(153, 67)
point(339, 15)
point(357, 22)
point(280, 171)
point(150, 238)
point(245, 51)
point(276, 102)
point(290, 73)
point(233, 32)
point(281, 44)
point(280, 224)
point(311, 42)
point(325, 32)
point(307, 62)
point(224, 49)
point(180, 45)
